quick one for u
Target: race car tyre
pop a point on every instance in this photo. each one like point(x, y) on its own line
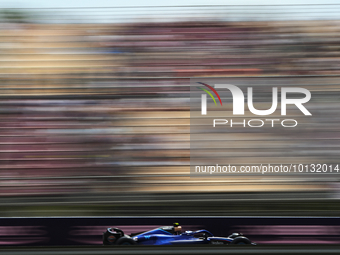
point(126, 241)
point(109, 239)
point(117, 230)
point(241, 240)
point(105, 241)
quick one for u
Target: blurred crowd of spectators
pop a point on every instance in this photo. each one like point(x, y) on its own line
point(99, 108)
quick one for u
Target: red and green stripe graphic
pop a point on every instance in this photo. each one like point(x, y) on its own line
point(209, 93)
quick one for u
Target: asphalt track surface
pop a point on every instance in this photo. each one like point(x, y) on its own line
point(170, 250)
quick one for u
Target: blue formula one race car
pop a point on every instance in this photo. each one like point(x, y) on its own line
point(170, 235)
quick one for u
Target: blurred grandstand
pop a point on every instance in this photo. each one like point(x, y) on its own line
point(94, 109)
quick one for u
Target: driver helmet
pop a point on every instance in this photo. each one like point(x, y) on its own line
point(177, 227)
